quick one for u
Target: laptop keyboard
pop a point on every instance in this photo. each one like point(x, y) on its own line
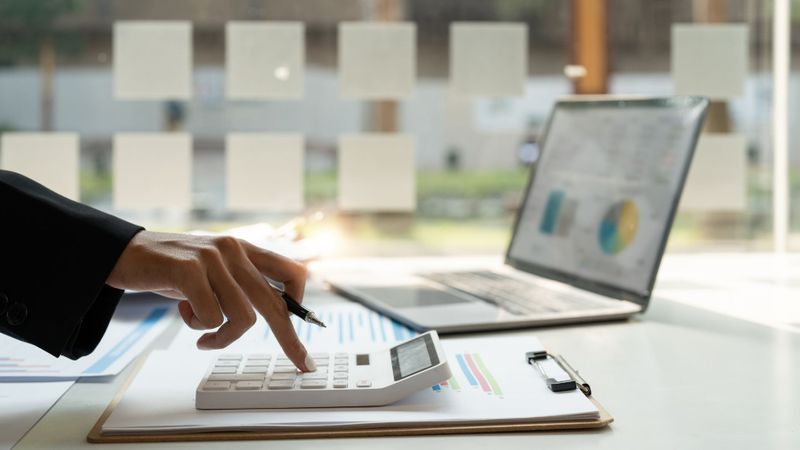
point(516, 296)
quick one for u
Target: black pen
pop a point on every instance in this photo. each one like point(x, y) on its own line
point(299, 310)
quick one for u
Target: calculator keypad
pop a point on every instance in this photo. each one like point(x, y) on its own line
point(266, 372)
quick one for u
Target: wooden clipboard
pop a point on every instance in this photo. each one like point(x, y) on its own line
point(96, 435)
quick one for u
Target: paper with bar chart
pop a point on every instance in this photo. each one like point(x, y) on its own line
point(491, 383)
point(135, 325)
point(349, 325)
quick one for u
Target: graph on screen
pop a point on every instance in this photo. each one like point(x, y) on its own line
point(559, 214)
point(618, 227)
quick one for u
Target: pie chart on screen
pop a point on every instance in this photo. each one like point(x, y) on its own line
point(619, 226)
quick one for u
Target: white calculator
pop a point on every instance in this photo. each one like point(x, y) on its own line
point(341, 379)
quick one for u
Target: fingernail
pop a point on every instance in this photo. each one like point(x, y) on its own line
point(310, 364)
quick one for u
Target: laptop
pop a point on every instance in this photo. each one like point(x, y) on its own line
point(587, 239)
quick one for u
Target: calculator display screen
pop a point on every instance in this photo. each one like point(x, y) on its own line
point(413, 356)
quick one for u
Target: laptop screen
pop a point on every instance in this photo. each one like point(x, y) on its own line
point(602, 196)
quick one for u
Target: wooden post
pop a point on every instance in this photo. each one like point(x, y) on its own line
point(385, 111)
point(589, 39)
point(47, 68)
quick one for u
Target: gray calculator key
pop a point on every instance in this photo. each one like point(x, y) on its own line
point(340, 375)
point(341, 355)
point(259, 356)
point(236, 377)
point(284, 376)
point(217, 385)
point(281, 384)
point(285, 369)
point(257, 362)
point(227, 363)
point(315, 376)
point(283, 363)
point(249, 385)
point(223, 370)
point(340, 368)
point(319, 355)
point(230, 356)
point(340, 361)
point(254, 369)
point(340, 383)
point(313, 384)
point(364, 383)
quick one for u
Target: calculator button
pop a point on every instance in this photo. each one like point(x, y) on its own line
point(364, 383)
point(340, 383)
point(341, 355)
point(230, 356)
point(254, 369)
point(313, 384)
point(281, 384)
point(227, 363)
point(282, 358)
point(341, 361)
point(340, 368)
point(249, 385)
point(259, 356)
point(236, 377)
point(284, 376)
point(315, 376)
point(217, 385)
point(340, 375)
point(319, 355)
point(284, 363)
point(223, 370)
point(291, 369)
point(258, 362)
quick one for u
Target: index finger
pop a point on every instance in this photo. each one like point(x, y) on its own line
point(279, 268)
point(274, 310)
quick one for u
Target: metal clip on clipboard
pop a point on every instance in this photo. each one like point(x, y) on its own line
point(557, 382)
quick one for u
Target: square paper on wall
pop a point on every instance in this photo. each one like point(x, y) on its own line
point(264, 172)
point(52, 159)
point(152, 60)
point(718, 175)
point(488, 59)
point(264, 60)
point(709, 59)
point(152, 170)
point(377, 60)
point(377, 172)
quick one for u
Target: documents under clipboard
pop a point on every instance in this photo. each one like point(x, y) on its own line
point(491, 384)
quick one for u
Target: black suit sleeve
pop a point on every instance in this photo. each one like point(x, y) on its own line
point(55, 256)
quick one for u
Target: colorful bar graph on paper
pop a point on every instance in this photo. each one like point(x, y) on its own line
point(347, 326)
point(477, 374)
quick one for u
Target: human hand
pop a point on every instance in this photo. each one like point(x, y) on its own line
point(216, 278)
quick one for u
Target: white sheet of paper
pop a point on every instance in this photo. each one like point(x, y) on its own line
point(377, 172)
point(152, 60)
point(23, 404)
point(264, 60)
point(490, 382)
point(152, 170)
point(377, 60)
point(264, 171)
point(52, 159)
point(709, 59)
point(718, 175)
point(488, 58)
point(134, 326)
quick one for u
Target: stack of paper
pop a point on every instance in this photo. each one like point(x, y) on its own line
point(491, 382)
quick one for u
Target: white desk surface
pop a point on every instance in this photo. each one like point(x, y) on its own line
point(677, 377)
